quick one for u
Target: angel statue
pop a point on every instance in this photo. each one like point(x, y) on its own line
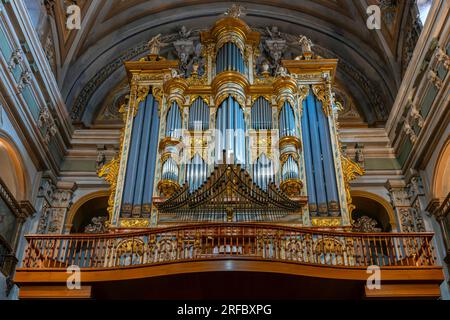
point(274, 33)
point(305, 43)
point(155, 44)
point(183, 33)
point(235, 11)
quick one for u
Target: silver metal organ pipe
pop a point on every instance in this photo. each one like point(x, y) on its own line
point(233, 58)
point(237, 140)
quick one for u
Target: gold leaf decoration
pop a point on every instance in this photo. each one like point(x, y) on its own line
point(110, 172)
point(350, 170)
point(323, 95)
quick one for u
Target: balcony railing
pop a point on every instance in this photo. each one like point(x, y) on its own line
point(229, 241)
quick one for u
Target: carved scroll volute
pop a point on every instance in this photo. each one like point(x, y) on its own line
point(141, 94)
point(110, 172)
point(350, 171)
point(158, 92)
point(303, 91)
point(138, 93)
point(323, 94)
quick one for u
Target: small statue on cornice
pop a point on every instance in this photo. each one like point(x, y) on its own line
point(274, 33)
point(183, 33)
point(175, 73)
point(281, 72)
point(235, 11)
point(155, 45)
point(306, 44)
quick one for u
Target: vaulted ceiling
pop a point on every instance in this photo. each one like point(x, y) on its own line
point(89, 66)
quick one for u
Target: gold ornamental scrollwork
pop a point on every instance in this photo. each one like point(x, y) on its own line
point(326, 222)
point(158, 93)
point(350, 170)
point(282, 100)
point(239, 98)
point(134, 223)
point(323, 95)
point(141, 94)
point(255, 97)
point(194, 97)
point(303, 91)
point(110, 172)
point(292, 187)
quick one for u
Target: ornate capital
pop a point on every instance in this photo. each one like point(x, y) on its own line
point(324, 96)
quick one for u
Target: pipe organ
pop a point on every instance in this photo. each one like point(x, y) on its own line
point(230, 144)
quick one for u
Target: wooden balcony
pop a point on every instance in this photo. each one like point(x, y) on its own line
point(126, 265)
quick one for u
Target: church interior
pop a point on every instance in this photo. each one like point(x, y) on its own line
point(267, 149)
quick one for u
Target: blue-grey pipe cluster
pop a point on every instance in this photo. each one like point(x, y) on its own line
point(230, 128)
point(229, 58)
point(198, 116)
point(287, 121)
point(261, 114)
point(263, 171)
point(196, 172)
point(290, 169)
point(170, 170)
point(173, 121)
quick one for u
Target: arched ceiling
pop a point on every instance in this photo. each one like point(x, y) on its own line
point(89, 60)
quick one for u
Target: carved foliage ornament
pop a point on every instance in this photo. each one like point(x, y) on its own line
point(321, 92)
point(365, 224)
point(350, 171)
point(110, 172)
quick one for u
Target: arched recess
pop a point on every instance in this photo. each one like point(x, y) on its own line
point(441, 181)
point(87, 207)
point(375, 207)
point(13, 172)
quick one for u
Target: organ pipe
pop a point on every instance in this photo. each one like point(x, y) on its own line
point(230, 125)
point(261, 114)
point(170, 170)
point(229, 58)
point(198, 115)
point(287, 121)
point(290, 169)
point(173, 121)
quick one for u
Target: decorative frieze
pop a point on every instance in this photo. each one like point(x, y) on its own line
point(365, 224)
point(53, 212)
point(47, 124)
point(434, 79)
point(407, 129)
point(16, 59)
point(25, 80)
point(442, 57)
point(408, 212)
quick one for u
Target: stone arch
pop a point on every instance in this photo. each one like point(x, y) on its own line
point(375, 207)
point(87, 207)
point(441, 182)
point(13, 171)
